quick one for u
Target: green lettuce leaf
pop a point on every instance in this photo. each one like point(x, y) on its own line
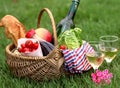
point(71, 38)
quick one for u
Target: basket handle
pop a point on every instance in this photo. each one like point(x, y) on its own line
point(52, 22)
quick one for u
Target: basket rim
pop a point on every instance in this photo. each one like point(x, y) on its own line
point(7, 50)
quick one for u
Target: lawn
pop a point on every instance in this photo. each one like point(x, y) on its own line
point(94, 17)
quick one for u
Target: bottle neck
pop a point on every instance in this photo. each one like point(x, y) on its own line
point(73, 9)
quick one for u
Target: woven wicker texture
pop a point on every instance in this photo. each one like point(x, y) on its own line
point(36, 68)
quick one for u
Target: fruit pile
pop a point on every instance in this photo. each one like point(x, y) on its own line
point(28, 46)
point(34, 42)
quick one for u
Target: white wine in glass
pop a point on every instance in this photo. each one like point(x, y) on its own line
point(95, 57)
point(109, 46)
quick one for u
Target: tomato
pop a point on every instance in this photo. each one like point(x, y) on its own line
point(62, 47)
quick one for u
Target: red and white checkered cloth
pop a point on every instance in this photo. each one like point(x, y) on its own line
point(75, 60)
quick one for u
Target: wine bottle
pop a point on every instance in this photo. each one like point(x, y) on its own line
point(67, 22)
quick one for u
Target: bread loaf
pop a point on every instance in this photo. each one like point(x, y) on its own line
point(13, 28)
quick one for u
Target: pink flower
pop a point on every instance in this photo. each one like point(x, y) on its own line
point(93, 75)
point(110, 75)
point(107, 81)
point(103, 77)
point(99, 73)
point(98, 81)
point(94, 79)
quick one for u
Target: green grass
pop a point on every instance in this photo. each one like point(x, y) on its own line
point(94, 17)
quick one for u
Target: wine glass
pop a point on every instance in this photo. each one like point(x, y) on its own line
point(109, 46)
point(95, 57)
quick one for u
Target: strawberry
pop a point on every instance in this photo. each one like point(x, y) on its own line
point(35, 45)
point(21, 50)
point(31, 49)
point(29, 44)
point(22, 45)
point(26, 49)
point(30, 33)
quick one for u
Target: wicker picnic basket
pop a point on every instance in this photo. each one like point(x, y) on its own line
point(36, 68)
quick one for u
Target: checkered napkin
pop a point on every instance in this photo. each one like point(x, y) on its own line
point(75, 60)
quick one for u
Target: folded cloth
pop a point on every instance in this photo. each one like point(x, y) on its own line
point(75, 60)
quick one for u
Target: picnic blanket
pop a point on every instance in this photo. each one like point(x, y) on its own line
point(75, 60)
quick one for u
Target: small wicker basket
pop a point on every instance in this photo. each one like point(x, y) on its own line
point(36, 68)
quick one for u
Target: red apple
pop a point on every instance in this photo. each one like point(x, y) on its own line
point(44, 34)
